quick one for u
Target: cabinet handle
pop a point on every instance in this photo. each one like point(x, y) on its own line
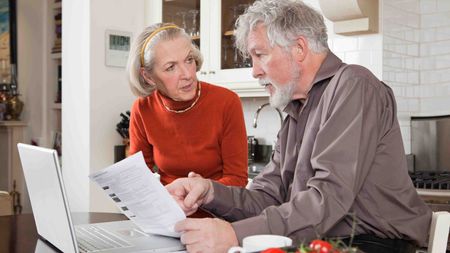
point(202, 72)
point(212, 72)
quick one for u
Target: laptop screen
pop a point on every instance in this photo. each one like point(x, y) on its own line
point(47, 196)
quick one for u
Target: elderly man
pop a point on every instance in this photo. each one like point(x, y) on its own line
point(339, 160)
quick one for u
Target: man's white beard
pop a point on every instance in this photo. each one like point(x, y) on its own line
point(282, 94)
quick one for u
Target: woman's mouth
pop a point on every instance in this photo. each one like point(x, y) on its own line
point(188, 87)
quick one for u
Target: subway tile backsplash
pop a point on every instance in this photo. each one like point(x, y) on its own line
point(416, 60)
point(427, 6)
point(411, 53)
point(268, 120)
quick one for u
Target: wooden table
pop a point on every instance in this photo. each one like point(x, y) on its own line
point(18, 232)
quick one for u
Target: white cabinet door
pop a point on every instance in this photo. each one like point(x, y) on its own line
point(215, 22)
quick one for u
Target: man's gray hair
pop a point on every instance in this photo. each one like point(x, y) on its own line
point(285, 21)
point(138, 85)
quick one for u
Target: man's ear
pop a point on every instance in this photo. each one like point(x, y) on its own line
point(300, 49)
point(148, 79)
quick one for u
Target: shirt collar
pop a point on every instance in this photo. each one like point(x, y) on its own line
point(327, 69)
point(293, 108)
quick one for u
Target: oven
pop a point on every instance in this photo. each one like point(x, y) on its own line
point(434, 188)
point(429, 163)
point(430, 147)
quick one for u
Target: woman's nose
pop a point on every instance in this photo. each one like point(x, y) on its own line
point(185, 71)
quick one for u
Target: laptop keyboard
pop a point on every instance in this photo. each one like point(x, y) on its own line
point(93, 238)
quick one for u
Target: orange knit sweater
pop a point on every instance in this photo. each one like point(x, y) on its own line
point(209, 139)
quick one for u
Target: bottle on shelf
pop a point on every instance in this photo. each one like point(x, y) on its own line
point(58, 98)
point(58, 28)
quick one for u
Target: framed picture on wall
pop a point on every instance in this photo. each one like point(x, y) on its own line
point(8, 45)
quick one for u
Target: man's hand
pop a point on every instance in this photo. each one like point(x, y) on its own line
point(206, 235)
point(190, 193)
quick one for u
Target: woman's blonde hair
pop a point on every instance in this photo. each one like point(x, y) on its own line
point(158, 33)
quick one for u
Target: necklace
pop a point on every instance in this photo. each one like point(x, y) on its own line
point(189, 107)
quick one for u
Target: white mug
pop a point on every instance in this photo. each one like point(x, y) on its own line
point(261, 242)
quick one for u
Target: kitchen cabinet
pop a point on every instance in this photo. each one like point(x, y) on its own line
point(210, 23)
point(11, 133)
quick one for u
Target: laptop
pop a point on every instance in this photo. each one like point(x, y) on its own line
point(45, 184)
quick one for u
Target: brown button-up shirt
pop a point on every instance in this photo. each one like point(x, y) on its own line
point(339, 160)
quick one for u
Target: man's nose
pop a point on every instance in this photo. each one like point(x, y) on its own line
point(257, 71)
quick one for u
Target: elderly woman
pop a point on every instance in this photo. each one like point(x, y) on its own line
point(181, 124)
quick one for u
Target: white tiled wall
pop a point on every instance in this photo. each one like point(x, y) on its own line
point(401, 62)
point(435, 57)
point(416, 58)
point(268, 120)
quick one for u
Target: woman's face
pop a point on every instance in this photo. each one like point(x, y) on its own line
point(174, 70)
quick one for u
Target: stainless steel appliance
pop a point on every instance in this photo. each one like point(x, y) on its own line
point(430, 144)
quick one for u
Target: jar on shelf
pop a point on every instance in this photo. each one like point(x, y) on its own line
point(14, 106)
point(3, 100)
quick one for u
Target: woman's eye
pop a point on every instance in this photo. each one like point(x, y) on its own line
point(170, 68)
point(190, 60)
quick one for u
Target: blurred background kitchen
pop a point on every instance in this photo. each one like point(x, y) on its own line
point(70, 62)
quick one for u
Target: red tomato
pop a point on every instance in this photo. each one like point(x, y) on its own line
point(273, 250)
point(320, 246)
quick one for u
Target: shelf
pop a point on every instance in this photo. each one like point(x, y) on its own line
point(196, 37)
point(246, 89)
point(228, 33)
point(12, 123)
point(351, 17)
point(56, 56)
point(56, 106)
point(57, 5)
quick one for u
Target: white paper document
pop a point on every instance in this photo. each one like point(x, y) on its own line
point(140, 195)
